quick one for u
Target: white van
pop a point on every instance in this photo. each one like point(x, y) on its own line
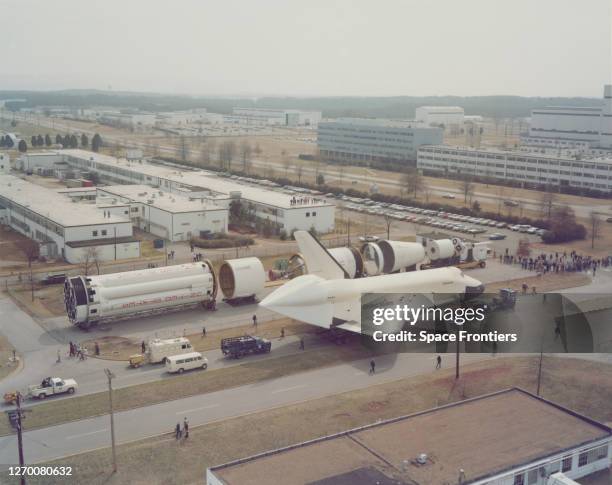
point(183, 362)
point(160, 349)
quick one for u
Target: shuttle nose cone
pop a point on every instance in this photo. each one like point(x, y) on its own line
point(303, 299)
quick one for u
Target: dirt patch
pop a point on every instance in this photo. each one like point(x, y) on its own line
point(48, 300)
point(169, 462)
point(544, 283)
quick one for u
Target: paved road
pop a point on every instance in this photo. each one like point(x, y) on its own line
point(88, 434)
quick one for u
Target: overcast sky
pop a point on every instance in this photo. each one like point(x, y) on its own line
point(309, 47)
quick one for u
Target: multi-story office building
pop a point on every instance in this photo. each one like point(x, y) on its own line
point(365, 140)
point(530, 168)
point(572, 126)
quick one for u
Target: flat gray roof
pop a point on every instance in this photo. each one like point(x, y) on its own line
point(53, 205)
point(201, 178)
point(471, 435)
point(169, 202)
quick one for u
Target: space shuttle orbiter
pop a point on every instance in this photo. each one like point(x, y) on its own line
point(327, 298)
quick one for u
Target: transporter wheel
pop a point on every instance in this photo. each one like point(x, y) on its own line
point(482, 264)
point(164, 360)
point(71, 390)
point(204, 366)
point(42, 395)
point(181, 370)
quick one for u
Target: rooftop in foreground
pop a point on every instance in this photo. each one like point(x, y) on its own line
point(471, 435)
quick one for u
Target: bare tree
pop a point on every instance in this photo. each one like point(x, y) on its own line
point(411, 181)
point(31, 251)
point(286, 162)
point(595, 227)
point(91, 259)
point(426, 190)
point(257, 150)
point(467, 187)
point(183, 148)
point(547, 201)
point(245, 155)
point(299, 170)
point(388, 222)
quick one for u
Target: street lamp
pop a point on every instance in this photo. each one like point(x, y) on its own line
point(110, 377)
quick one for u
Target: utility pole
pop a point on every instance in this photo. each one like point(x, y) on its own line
point(111, 376)
point(457, 358)
point(540, 369)
point(19, 416)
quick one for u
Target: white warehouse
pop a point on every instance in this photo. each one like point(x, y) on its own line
point(281, 117)
point(168, 215)
point(63, 228)
point(448, 116)
point(285, 210)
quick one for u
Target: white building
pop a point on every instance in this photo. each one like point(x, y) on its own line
point(451, 117)
point(181, 118)
point(572, 126)
point(509, 437)
point(280, 117)
point(529, 168)
point(63, 228)
point(168, 215)
point(285, 210)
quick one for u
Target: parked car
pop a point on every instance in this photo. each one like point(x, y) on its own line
point(448, 196)
point(496, 236)
point(368, 238)
point(54, 279)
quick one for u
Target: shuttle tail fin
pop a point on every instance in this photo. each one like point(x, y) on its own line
point(317, 258)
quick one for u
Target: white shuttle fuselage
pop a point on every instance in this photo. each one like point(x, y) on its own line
point(327, 298)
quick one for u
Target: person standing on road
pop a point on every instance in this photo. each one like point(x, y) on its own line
point(282, 332)
point(59, 356)
point(203, 331)
point(301, 343)
point(255, 321)
point(143, 347)
point(97, 348)
point(186, 427)
point(177, 431)
point(372, 367)
point(438, 362)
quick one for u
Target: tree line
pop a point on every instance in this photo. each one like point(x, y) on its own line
point(66, 141)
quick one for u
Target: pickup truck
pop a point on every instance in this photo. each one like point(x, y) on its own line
point(51, 386)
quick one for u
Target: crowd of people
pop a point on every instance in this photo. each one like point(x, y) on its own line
point(558, 262)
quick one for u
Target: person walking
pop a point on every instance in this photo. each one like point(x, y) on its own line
point(203, 331)
point(186, 428)
point(301, 343)
point(282, 332)
point(177, 431)
point(143, 347)
point(557, 331)
point(255, 321)
point(59, 357)
point(438, 362)
point(97, 348)
point(372, 367)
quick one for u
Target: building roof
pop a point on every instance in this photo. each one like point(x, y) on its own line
point(145, 194)
point(54, 206)
point(203, 179)
point(471, 435)
point(107, 241)
point(379, 122)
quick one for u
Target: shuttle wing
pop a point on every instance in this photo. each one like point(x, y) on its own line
point(318, 260)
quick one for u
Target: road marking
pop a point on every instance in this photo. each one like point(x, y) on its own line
point(86, 434)
point(287, 389)
point(210, 406)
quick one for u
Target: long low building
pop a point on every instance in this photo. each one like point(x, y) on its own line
point(63, 228)
point(280, 117)
point(510, 437)
point(283, 210)
point(529, 168)
point(361, 140)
